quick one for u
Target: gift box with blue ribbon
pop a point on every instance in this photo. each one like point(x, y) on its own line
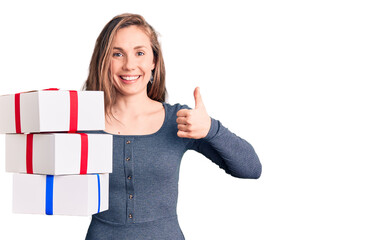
point(74, 195)
point(58, 169)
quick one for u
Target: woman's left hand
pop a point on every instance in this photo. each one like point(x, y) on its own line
point(194, 123)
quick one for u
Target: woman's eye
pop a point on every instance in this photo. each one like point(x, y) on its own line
point(140, 53)
point(117, 54)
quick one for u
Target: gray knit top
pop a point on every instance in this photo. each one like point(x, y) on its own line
point(144, 182)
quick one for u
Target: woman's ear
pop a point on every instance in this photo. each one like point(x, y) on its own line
point(153, 64)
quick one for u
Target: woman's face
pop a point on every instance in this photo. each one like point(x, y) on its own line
point(131, 61)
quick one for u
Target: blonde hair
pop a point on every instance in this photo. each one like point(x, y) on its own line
point(99, 78)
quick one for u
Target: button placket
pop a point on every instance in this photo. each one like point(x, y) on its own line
point(129, 167)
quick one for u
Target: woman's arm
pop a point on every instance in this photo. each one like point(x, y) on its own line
point(209, 137)
point(230, 152)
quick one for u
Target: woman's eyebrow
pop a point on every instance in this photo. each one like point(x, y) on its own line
point(141, 46)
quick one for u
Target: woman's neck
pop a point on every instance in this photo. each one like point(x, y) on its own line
point(135, 116)
point(132, 105)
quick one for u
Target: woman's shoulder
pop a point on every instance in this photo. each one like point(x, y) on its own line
point(175, 107)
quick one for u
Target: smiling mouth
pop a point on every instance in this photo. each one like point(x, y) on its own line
point(130, 78)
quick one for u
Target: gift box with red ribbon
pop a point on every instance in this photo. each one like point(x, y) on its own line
point(75, 195)
point(59, 153)
point(52, 110)
point(67, 171)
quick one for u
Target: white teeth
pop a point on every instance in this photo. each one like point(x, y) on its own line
point(129, 78)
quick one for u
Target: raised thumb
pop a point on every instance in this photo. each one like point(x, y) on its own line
point(197, 98)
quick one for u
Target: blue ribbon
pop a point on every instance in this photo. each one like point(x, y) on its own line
point(49, 195)
point(98, 192)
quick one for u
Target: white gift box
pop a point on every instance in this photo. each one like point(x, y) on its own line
point(50, 111)
point(75, 195)
point(59, 153)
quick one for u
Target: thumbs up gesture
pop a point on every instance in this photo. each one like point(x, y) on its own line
point(194, 123)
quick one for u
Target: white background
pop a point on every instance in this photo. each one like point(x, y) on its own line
point(307, 83)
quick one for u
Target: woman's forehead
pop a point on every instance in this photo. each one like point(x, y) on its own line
point(132, 36)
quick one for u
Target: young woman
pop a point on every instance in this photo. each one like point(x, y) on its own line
point(150, 136)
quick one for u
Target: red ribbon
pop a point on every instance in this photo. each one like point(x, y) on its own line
point(83, 155)
point(73, 110)
point(29, 153)
point(51, 89)
point(17, 113)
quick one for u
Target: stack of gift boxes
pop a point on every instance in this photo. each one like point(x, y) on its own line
point(59, 168)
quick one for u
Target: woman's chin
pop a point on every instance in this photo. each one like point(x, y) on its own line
point(132, 90)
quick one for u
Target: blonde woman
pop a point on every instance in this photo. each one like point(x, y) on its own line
point(150, 136)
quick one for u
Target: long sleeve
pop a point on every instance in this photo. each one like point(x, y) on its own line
point(230, 152)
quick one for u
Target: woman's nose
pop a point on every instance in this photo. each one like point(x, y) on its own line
point(129, 63)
